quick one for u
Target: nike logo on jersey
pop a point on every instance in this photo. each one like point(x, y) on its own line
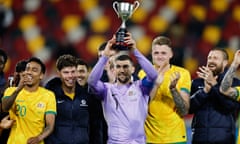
point(60, 101)
point(200, 87)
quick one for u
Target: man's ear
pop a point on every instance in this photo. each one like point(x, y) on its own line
point(58, 72)
point(225, 63)
point(172, 54)
point(133, 69)
point(41, 76)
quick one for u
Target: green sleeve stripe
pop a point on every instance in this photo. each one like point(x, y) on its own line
point(237, 94)
point(5, 97)
point(180, 143)
point(51, 112)
point(185, 89)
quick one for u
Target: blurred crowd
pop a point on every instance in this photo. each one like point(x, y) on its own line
point(48, 28)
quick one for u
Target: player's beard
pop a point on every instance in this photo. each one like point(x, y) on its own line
point(218, 70)
point(125, 79)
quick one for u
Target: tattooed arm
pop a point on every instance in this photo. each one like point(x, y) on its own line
point(225, 86)
point(181, 98)
point(226, 83)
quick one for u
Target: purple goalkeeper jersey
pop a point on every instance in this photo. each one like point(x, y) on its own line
point(124, 106)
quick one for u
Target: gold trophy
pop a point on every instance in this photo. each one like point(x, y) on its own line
point(124, 10)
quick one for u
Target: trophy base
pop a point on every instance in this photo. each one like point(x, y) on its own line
point(120, 44)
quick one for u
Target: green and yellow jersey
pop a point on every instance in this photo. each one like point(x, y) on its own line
point(238, 99)
point(163, 124)
point(28, 111)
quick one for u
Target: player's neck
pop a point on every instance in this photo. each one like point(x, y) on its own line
point(31, 88)
point(127, 83)
point(163, 68)
point(68, 89)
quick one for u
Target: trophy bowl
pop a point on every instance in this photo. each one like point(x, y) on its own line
point(124, 10)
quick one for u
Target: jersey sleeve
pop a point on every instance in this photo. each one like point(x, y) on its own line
point(184, 83)
point(8, 92)
point(238, 93)
point(51, 105)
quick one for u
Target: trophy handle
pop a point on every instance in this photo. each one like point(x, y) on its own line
point(135, 5)
point(114, 7)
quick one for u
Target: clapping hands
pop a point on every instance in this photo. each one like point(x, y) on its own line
point(209, 79)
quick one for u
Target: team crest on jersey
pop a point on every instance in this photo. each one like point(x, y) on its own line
point(40, 105)
point(83, 103)
point(130, 93)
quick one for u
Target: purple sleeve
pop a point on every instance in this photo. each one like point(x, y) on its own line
point(94, 77)
point(146, 65)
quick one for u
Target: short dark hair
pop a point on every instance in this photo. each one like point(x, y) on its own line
point(224, 52)
point(21, 66)
point(4, 54)
point(124, 57)
point(66, 60)
point(82, 62)
point(37, 60)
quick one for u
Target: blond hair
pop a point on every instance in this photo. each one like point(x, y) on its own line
point(162, 40)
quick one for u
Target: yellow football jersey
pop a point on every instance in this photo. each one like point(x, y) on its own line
point(238, 99)
point(29, 110)
point(163, 124)
point(238, 91)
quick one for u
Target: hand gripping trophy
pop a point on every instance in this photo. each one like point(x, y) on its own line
point(124, 10)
